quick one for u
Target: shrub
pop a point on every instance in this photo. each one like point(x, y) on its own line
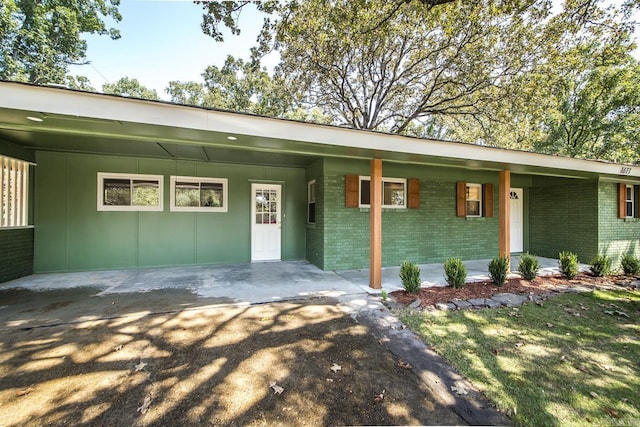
point(568, 264)
point(528, 266)
point(455, 273)
point(498, 269)
point(600, 266)
point(630, 264)
point(410, 276)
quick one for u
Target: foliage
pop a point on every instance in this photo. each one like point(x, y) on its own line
point(39, 39)
point(455, 272)
point(630, 264)
point(131, 88)
point(384, 295)
point(544, 366)
point(568, 262)
point(410, 276)
point(528, 266)
point(600, 266)
point(498, 269)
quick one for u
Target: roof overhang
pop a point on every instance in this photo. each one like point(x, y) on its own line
point(96, 123)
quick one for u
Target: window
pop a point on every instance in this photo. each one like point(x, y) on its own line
point(195, 194)
point(14, 175)
point(474, 200)
point(129, 192)
point(393, 192)
point(311, 202)
point(629, 205)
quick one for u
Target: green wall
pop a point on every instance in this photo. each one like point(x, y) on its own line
point(563, 216)
point(431, 233)
point(615, 236)
point(71, 235)
point(16, 253)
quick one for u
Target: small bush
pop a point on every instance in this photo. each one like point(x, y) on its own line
point(630, 264)
point(410, 276)
point(528, 266)
point(455, 273)
point(498, 269)
point(600, 266)
point(568, 264)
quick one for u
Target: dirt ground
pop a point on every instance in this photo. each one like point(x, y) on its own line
point(169, 358)
point(539, 285)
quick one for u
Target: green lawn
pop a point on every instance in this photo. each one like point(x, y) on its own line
point(575, 360)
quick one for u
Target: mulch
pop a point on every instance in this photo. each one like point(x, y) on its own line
point(486, 289)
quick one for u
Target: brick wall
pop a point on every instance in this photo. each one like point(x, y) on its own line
point(429, 234)
point(616, 236)
point(16, 253)
point(564, 217)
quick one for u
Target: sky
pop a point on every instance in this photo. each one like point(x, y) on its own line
point(162, 41)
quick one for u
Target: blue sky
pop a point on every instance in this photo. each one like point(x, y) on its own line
point(162, 41)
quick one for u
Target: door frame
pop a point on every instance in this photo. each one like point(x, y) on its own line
point(266, 185)
point(520, 193)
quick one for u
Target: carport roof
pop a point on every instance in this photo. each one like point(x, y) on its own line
point(73, 121)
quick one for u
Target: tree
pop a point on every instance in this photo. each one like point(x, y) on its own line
point(39, 39)
point(236, 86)
point(131, 88)
point(79, 83)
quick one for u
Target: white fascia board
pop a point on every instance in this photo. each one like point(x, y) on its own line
point(61, 101)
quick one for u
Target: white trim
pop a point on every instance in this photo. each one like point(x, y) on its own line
point(479, 186)
point(131, 176)
point(632, 201)
point(47, 100)
point(197, 180)
point(402, 181)
point(309, 201)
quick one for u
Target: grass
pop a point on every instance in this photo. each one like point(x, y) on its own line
point(575, 360)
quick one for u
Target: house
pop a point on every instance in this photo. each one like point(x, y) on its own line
point(93, 181)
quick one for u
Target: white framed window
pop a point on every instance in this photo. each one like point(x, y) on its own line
point(311, 202)
point(630, 204)
point(474, 199)
point(14, 176)
point(198, 194)
point(394, 192)
point(130, 192)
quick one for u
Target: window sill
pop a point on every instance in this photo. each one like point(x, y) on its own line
point(311, 226)
point(402, 209)
point(19, 227)
point(631, 219)
point(475, 218)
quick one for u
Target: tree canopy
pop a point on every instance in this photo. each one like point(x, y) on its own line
point(39, 39)
point(130, 87)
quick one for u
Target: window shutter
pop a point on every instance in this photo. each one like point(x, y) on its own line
point(414, 193)
point(636, 199)
point(461, 198)
point(487, 200)
point(622, 200)
point(352, 183)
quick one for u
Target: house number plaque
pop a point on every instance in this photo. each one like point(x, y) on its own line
point(625, 171)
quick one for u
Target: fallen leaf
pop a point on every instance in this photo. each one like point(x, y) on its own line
point(403, 364)
point(622, 313)
point(140, 366)
point(265, 319)
point(329, 380)
point(549, 325)
point(276, 388)
point(610, 312)
point(145, 405)
point(379, 397)
point(593, 394)
point(24, 392)
point(118, 347)
point(519, 344)
point(335, 367)
point(459, 390)
point(612, 412)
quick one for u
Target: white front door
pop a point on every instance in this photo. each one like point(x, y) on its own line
point(516, 220)
point(265, 222)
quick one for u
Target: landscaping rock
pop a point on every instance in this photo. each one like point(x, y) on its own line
point(478, 302)
point(445, 306)
point(460, 304)
point(491, 303)
point(416, 304)
point(510, 300)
